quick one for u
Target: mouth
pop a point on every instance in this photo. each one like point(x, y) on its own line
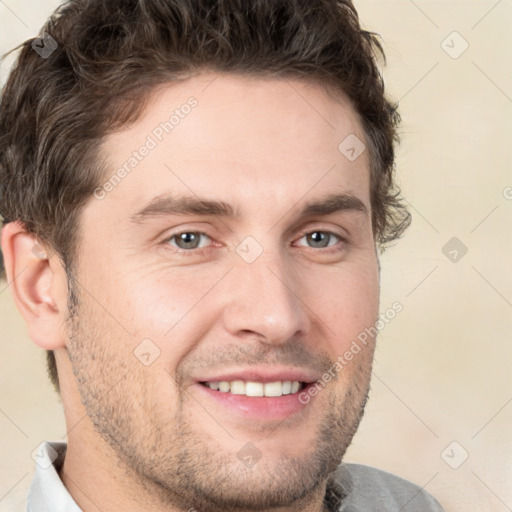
point(258, 394)
point(256, 389)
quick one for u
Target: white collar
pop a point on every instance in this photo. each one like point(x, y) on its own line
point(47, 492)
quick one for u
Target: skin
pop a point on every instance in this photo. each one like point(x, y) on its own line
point(145, 437)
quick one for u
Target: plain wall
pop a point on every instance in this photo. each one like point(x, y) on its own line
point(443, 364)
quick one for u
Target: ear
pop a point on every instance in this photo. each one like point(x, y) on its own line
point(38, 284)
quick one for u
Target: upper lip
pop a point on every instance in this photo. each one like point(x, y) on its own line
point(262, 374)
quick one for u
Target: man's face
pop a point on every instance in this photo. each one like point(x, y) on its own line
point(239, 248)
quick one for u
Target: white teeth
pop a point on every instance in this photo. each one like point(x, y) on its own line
point(251, 388)
point(254, 389)
point(224, 386)
point(287, 387)
point(238, 387)
point(273, 388)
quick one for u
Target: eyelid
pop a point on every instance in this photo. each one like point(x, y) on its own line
point(203, 228)
point(199, 233)
point(169, 238)
point(340, 245)
point(341, 234)
point(330, 233)
point(341, 238)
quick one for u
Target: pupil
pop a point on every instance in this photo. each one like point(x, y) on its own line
point(188, 240)
point(318, 239)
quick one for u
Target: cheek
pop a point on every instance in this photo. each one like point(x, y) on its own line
point(176, 308)
point(347, 303)
point(168, 309)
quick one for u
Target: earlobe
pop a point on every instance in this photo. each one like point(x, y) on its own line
point(37, 286)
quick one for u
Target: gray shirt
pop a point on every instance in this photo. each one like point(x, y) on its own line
point(364, 489)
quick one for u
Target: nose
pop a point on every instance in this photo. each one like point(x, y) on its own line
point(264, 303)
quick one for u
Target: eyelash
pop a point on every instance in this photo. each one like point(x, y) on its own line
point(329, 249)
point(188, 251)
point(195, 251)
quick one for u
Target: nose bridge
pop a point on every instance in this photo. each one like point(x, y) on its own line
point(264, 300)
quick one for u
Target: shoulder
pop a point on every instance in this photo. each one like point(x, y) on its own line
point(370, 489)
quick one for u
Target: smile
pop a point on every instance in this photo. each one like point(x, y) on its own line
point(256, 389)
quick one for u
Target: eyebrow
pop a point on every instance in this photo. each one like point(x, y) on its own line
point(188, 205)
point(334, 203)
point(169, 204)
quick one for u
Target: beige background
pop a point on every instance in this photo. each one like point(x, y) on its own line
point(444, 363)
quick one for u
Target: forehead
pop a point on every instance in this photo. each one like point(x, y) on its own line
point(236, 138)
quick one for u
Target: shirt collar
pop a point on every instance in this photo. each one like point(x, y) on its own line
point(47, 492)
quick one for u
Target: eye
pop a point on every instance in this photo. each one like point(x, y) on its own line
point(189, 240)
point(320, 239)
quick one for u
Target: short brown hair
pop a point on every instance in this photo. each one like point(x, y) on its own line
point(110, 54)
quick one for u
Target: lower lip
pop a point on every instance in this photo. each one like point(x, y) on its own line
point(258, 408)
